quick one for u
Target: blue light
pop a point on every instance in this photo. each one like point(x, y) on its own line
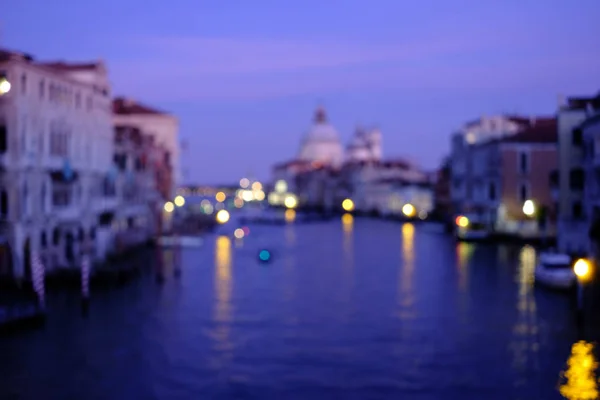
point(264, 255)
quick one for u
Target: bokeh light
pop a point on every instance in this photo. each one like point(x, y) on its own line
point(244, 183)
point(179, 201)
point(239, 233)
point(169, 207)
point(222, 216)
point(220, 197)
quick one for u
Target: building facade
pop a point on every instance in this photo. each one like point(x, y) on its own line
point(473, 165)
point(55, 149)
point(570, 176)
point(161, 126)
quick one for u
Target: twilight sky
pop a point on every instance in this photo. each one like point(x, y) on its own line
point(244, 77)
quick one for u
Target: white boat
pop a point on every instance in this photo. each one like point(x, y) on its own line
point(180, 241)
point(555, 270)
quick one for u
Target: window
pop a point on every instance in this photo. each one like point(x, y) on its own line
point(43, 239)
point(59, 142)
point(577, 210)
point(554, 178)
point(25, 192)
point(3, 203)
point(576, 179)
point(577, 137)
point(492, 191)
point(42, 89)
point(523, 193)
point(56, 236)
point(108, 187)
point(524, 163)
point(61, 195)
point(3, 139)
point(23, 84)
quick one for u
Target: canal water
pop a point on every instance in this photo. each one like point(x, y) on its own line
point(352, 309)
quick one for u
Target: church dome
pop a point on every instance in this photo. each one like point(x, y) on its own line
point(321, 143)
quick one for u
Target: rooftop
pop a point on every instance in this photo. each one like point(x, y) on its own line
point(124, 106)
point(542, 132)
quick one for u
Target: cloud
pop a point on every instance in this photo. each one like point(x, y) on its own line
point(190, 68)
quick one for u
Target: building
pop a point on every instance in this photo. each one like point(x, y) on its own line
point(590, 129)
point(321, 144)
point(441, 190)
point(55, 150)
point(570, 177)
point(163, 127)
point(467, 165)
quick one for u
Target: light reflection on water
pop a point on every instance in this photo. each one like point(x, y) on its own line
point(525, 340)
point(223, 288)
point(406, 293)
point(464, 252)
point(579, 381)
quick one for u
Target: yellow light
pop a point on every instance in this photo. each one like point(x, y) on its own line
point(582, 268)
point(580, 382)
point(220, 197)
point(239, 203)
point(259, 195)
point(274, 198)
point(247, 195)
point(169, 207)
point(348, 205)
point(462, 221)
point(347, 219)
point(244, 183)
point(222, 216)
point(290, 215)
point(529, 208)
point(290, 201)
point(4, 86)
point(179, 201)
point(281, 186)
point(408, 210)
point(257, 186)
point(238, 233)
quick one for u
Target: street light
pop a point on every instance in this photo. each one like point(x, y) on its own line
point(169, 207)
point(583, 271)
point(409, 210)
point(290, 201)
point(179, 201)
point(529, 208)
point(222, 216)
point(4, 86)
point(348, 205)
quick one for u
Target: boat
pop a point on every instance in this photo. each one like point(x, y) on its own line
point(180, 241)
point(555, 270)
point(473, 232)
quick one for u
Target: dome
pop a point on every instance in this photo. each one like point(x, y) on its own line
point(321, 143)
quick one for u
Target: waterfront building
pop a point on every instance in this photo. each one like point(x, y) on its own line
point(514, 170)
point(441, 189)
point(163, 127)
point(590, 130)
point(570, 177)
point(467, 183)
point(55, 148)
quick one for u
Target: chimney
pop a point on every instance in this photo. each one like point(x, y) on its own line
point(532, 120)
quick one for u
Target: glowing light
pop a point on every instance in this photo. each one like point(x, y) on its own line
point(220, 197)
point(409, 210)
point(348, 205)
point(529, 208)
point(290, 215)
point(4, 86)
point(347, 222)
point(257, 186)
point(290, 201)
point(462, 221)
point(581, 382)
point(222, 216)
point(281, 186)
point(208, 208)
point(274, 198)
point(239, 203)
point(244, 183)
point(423, 214)
point(259, 195)
point(247, 195)
point(179, 201)
point(582, 268)
point(169, 207)
point(264, 255)
point(239, 233)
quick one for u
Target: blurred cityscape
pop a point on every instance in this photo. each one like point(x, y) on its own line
point(87, 178)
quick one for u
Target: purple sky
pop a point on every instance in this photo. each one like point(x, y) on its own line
point(244, 76)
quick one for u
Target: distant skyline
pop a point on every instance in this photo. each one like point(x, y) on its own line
point(245, 77)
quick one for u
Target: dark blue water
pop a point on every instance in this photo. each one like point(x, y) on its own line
point(361, 310)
